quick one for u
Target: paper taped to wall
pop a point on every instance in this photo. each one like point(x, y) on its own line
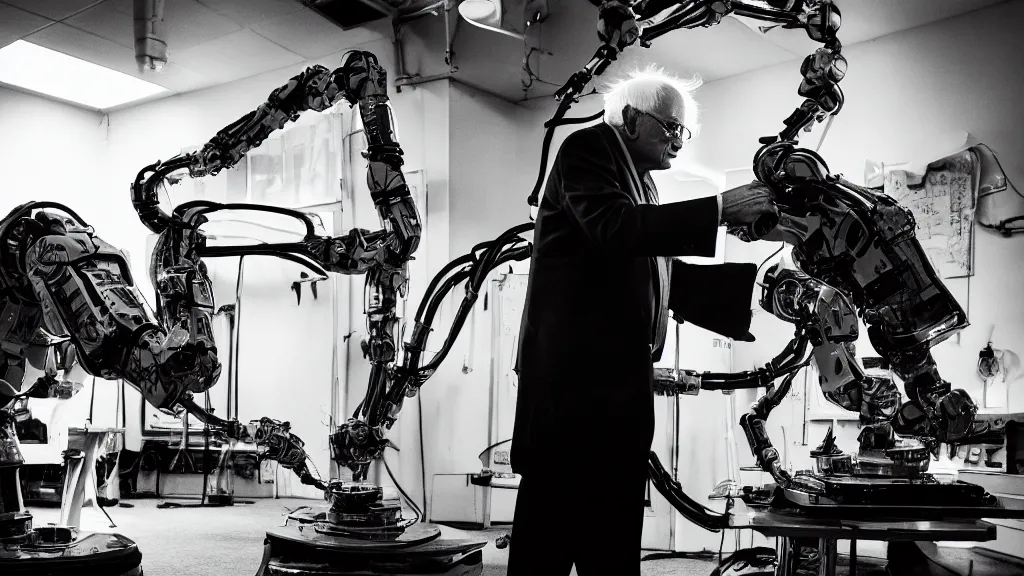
point(942, 198)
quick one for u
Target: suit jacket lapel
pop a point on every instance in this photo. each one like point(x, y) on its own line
point(644, 192)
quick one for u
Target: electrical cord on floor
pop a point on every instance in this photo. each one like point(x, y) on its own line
point(423, 457)
point(408, 500)
point(702, 555)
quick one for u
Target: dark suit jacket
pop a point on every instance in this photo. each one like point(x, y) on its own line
point(585, 349)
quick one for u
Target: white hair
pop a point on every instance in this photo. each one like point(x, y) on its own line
point(645, 89)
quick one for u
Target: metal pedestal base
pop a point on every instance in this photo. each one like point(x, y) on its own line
point(89, 553)
point(311, 550)
point(807, 557)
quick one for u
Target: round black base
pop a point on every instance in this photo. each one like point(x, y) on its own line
point(93, 554)
point(221, 499)
point(304, 550)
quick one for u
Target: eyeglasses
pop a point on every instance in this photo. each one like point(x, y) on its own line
point(673, 129)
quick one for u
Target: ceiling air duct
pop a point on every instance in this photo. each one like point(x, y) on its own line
point(150, 48)
point(354, 13)
point(486, 14)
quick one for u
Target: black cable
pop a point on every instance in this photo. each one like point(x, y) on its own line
point(467, 305)
point(423, 457)
point(702, 555)
point(206, 456)
point(92, 398)
point(409, 501)
point(465, 259)
point(124, 410)
point(549, 134)
point(492, 446)
point(104, 510)
point(765, 261)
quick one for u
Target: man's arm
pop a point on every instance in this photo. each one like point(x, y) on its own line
point(716, 297)
point(607, 215)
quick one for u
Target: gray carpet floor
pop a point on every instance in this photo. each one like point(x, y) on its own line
point(229, 541)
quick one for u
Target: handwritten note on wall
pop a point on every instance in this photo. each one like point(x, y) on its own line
point(942, 200)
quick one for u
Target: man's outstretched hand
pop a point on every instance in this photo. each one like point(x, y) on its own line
point(749, 211)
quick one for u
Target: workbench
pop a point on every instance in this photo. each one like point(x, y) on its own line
point(789, 527)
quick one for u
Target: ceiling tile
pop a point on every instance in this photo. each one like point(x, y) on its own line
point(92, 48)
point(111, 21)
point(186, 23)
point(88, 47)
point(237, 55)
point(15, 23)
point(52, 9)
point(309, 34)
point(249, 12)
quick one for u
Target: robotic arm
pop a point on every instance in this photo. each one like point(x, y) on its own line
point(180, 275)
point(64, 280)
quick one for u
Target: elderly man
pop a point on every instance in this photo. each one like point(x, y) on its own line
point(600, 291)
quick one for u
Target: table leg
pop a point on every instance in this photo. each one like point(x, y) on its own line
point(789, 556)
point(853, 558)
point(71, 500)
point(88, 477)
point(828, 556)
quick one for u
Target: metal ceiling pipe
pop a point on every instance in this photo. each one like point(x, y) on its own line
point(150, 48)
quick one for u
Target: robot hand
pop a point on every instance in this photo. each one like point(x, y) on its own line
point(283, 447)
point(356, 444)
point(617, 25)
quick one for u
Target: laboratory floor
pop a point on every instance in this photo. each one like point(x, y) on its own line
point(229, 541)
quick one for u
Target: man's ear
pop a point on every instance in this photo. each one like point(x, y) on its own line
point(629, 121)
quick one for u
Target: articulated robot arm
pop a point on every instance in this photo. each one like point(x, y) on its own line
point(59, 278)
point(179, 273)
point(382, 256)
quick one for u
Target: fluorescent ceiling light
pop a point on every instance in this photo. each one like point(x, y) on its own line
point(49, 72)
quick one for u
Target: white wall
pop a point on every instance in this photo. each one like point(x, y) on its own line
point(908, 97)
point(487, 190)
